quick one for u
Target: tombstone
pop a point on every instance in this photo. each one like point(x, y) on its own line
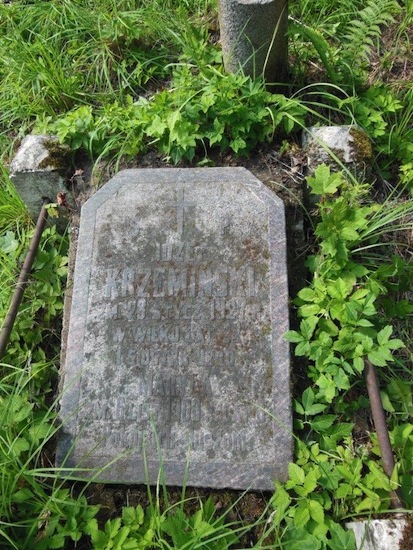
point(175, 358)
point(254, 37)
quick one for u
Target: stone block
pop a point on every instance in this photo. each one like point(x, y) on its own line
point(39, 170)
point(378, 534)
point(340, 147)
point(175, 358)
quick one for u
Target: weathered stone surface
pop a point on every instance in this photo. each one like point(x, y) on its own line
point(175, 348)
point(339, 147)
point(378, 534)
point(254, 37)
point(38, 170)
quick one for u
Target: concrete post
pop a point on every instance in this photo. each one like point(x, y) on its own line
point(253, 37)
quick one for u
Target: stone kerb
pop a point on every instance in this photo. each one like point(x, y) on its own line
point(175, 351)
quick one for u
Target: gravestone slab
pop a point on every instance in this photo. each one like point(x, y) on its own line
point(175, 352)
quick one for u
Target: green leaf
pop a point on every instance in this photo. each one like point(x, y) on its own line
point(323, 182)
point(18, 446)
point(395, 344)
point(340, 538)
point(296, 473)
point(380, 357)
point(343, 490)
point(311, 408)
point(323, 422)
point(307, 327)
point(327, 387)
point(384, 335)
point(293, 336)
point(340, 289)
point(307, 541)
point(307, 294)
point(238, 144)
point(307, 398)
point(56, 541)
point(309, 310)
point(387, 406)
point(364, 323)
point(303, 348)
point(311, 480)
point(281, 502)
point(302, 514)
point(316, 408)
point(316, 511)
point(8, 243)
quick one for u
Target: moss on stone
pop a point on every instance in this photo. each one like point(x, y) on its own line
point(58, 156)
point(362, 145)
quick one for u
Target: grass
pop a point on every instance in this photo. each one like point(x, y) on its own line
point(113, 78)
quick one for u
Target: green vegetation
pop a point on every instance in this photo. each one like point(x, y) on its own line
point(114, 80)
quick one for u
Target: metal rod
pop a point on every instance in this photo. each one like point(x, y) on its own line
point(379, 420)
point(23, 278)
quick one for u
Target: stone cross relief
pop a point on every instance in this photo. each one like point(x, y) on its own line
point(180, 205)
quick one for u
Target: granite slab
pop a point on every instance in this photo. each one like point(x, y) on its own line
point(176, 361)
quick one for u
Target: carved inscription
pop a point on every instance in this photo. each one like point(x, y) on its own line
point(161, 282)
point(181, 307)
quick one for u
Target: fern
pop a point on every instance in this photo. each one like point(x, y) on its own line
point(344, 62)
point(323, 48)
point(361, 33)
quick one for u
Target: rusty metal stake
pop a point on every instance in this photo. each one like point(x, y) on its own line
point(380, 425)
point(23, 278)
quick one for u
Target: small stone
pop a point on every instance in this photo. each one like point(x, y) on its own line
point(378, 534)
point(39, 169)
point(338, 146)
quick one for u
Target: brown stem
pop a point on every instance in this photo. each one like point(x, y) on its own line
point(380, 425)
point(22, 281)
